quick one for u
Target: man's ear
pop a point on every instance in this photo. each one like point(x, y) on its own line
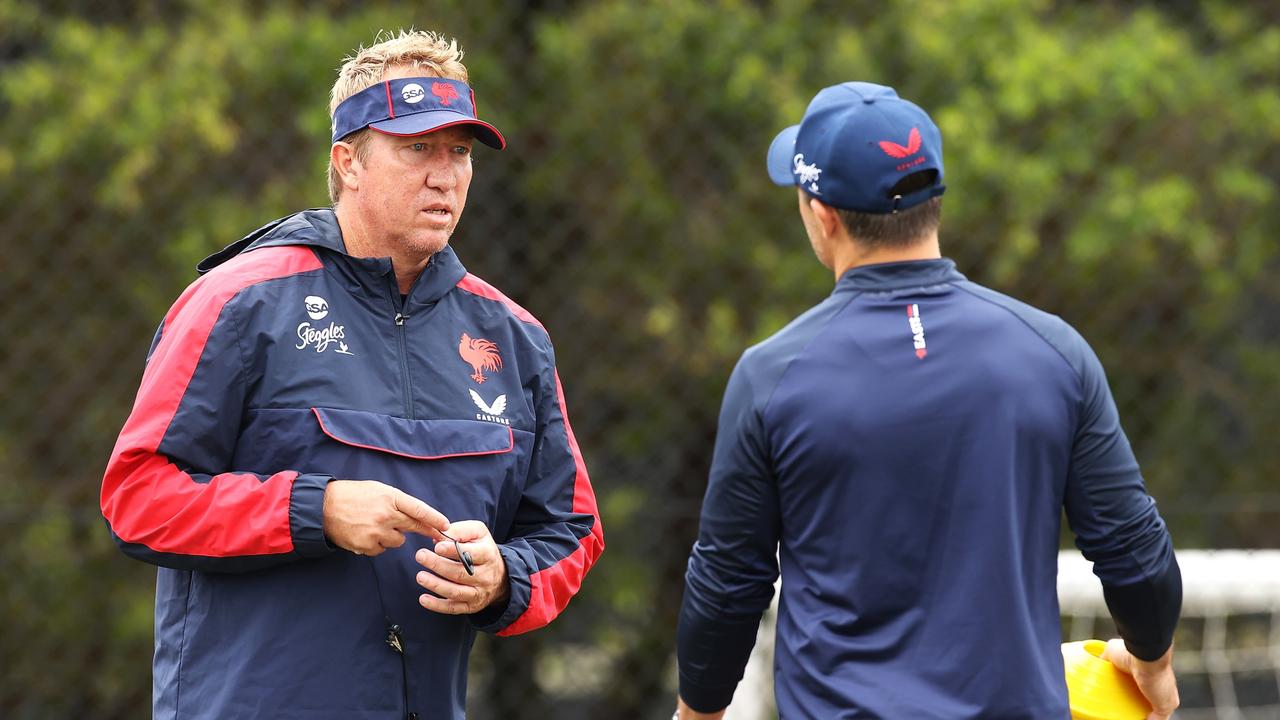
point(826, 216)
point(343, 157)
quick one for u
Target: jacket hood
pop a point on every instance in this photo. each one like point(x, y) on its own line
point(317, 226)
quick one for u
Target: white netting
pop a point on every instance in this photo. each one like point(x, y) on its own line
point(1227, 653)
point(1228, 642)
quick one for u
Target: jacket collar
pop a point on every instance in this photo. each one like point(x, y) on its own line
point(899, 275)
point(318, 228)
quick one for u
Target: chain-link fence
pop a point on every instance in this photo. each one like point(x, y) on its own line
point(1116, 166)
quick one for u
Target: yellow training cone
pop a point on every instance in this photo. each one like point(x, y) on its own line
point(1098, 690)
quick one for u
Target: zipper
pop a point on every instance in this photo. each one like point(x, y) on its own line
point(395, 639)
point(402, 338)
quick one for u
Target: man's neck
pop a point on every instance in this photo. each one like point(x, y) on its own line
point(850, 254)
point(360, 243)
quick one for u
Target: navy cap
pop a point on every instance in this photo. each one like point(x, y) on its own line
point(855, 142)
point(413, 106)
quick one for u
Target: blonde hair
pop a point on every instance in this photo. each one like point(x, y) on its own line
point(433, 53)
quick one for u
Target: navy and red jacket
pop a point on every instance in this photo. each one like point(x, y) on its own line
point(906, 449)
point(290, 363)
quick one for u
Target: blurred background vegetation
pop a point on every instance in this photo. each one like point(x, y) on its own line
point(1115, 163)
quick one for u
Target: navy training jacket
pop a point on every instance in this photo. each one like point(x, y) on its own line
point(290, 363)
point(906, 449)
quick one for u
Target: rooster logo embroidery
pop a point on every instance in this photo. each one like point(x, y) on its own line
point(481, 355)
point(446, 92)
point(893, 149)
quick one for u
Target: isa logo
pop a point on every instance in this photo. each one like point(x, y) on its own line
point(413, 93)
point(320, 337)
point(317, 307)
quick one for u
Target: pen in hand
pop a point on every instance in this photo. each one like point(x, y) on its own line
point(463, 554)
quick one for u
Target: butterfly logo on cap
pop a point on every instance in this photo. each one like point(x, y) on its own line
point(893, 149)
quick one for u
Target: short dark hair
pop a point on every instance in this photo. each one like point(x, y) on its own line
point(898, 229)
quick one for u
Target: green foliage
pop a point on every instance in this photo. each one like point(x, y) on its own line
point(1112, 163)
point(77, 621)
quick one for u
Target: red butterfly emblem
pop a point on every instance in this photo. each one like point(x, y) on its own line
point(893, 149)
point(446, 92)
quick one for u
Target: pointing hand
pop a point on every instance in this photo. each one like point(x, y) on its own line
point(367, 517)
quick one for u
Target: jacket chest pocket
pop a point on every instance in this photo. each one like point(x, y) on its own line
point(467, 469)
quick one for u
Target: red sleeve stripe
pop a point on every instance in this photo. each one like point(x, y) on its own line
point(150, 501)
point(553, 587)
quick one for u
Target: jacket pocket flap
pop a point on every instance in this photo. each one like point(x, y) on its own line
point(416, 439)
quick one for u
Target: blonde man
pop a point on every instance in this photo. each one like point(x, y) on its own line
point(348, 454)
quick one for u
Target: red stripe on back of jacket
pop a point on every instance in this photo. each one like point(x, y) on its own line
point(146, 498)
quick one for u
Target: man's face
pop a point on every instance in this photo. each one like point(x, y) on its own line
point(412, 189)
point(814, 230)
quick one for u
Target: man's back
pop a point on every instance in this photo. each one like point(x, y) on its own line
point(920, 433)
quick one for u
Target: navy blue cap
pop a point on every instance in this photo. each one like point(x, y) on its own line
point(855, 142)
point(413, 106)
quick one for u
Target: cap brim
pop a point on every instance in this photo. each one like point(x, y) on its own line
point(425, 122)
point(781, 153)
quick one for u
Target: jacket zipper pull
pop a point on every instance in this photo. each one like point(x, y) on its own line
point(393, 639)
point(400, 318)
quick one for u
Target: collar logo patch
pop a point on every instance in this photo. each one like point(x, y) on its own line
point(917, 330)
point(446, 92)
point(481, 355)
point(491, 412)
point(318, 337)
point(412, 93)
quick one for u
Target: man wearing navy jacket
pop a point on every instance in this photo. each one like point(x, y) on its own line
point(333, 384)
point(905, 450)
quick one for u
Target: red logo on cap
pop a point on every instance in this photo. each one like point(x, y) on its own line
point(893, 149)
point(448, 93)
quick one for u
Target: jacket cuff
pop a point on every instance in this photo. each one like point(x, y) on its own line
point(1146, 613)
point(705, 698)
point(306, 516)
point(498, 616)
